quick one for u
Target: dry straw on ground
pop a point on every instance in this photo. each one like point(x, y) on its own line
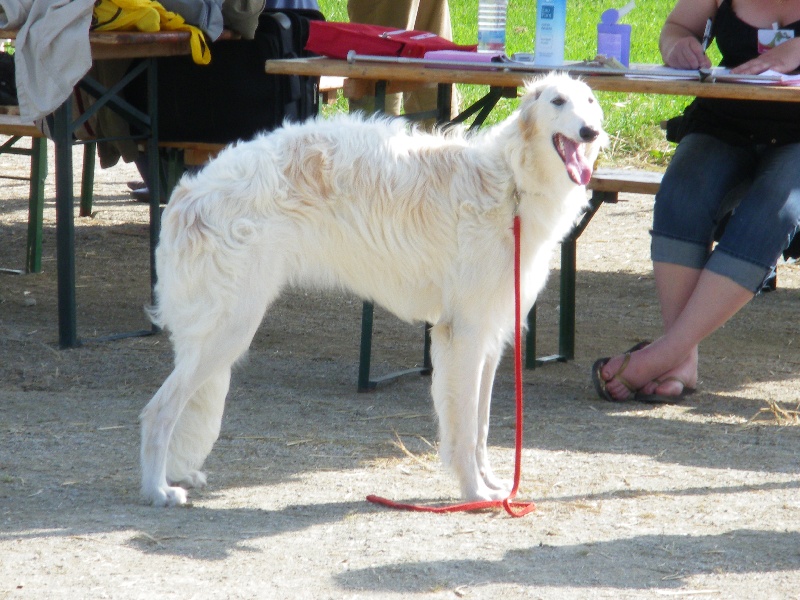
point(633, 501)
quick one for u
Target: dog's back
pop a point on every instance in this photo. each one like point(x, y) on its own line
point(346, 202)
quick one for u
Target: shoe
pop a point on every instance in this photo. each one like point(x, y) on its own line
point(666, 398)
point(136, 185)
point(600, 383)
point(143, 195)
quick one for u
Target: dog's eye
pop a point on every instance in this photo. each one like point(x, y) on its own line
point(559, 101)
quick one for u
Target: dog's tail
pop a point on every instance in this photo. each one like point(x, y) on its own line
point(200, 257)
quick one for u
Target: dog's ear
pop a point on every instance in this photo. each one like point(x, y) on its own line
point(527, 105)
point(534, 87)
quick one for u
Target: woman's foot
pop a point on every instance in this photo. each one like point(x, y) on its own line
point(601, 384)
point(646, 372)
point(672, 386)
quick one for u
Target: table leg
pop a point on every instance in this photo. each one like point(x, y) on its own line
point(65, 227)
point(154, 175)
point(444, 103)
point(62, 127)
point(566, 320)
point(33, 260)
point(87, 179)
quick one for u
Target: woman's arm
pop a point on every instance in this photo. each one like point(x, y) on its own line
point(680, 37)
point(783, 58)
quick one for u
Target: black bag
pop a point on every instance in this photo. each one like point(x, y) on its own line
point(8, 80)
point(232, 98)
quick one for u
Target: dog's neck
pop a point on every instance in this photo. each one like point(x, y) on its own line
point(516, 197)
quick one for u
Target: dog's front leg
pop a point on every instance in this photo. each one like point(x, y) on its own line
point(458, 359)
point(484, 411)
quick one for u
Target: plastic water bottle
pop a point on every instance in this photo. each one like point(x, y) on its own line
point(551, 22)
point(492, 25)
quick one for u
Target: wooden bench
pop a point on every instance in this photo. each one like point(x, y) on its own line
point(605, 185)
point(11, 124)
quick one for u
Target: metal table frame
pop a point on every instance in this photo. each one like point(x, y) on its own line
point(499, 80)
point(106, 46)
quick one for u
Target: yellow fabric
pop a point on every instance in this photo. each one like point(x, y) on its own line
point(149, 16)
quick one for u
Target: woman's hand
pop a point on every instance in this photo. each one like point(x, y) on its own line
point(783, 58)
point(686, 53)
point(680, 37)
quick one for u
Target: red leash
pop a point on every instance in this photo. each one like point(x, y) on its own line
point(515, 509)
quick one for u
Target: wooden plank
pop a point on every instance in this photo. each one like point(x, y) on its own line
point(13, 125)
point(400, 72)
point(205, 146)
point(329, 88)
point(625, 180)
point(135, 44)
point(195, 153)
point(355, 89)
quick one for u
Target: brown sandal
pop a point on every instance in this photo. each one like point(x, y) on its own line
point(666, 398)
point(600, 383)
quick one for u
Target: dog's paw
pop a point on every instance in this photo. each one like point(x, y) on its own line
point(193, 479)
point(503, 486)
point(165, 496)
point(484, 493)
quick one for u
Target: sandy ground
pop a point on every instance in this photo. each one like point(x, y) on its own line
point(695, 500)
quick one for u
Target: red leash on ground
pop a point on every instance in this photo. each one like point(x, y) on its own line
point(515, 509)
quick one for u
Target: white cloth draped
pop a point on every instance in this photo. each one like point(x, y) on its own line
point(52, 50)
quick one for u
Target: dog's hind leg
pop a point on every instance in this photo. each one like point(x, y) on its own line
point(157, 423)
point(457, 371)
point(196, 431)
point(181, 423)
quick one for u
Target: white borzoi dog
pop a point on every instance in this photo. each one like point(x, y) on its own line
point(418, 223)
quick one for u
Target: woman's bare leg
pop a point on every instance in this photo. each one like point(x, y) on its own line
point(712, 301)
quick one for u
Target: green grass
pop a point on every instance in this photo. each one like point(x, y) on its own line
point(632, 120)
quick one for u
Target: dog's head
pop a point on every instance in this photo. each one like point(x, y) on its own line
point(565, 110)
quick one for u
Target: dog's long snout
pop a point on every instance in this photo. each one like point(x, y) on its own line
point(589, 134)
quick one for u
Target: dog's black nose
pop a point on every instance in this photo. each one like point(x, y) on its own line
point(589, 134)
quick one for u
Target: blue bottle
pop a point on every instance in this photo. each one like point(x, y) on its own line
point(614, 38)
point(551, 25)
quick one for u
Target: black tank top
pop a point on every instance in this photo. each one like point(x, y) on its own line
point(738, 41)
point(742, 122)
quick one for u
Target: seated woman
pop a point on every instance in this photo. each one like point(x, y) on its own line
point(724, 144)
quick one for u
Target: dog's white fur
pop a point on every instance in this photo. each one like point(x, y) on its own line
point(419, 223)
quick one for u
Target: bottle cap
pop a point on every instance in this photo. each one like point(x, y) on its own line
point(612, 15)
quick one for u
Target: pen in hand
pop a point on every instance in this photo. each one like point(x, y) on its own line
point(707, 35)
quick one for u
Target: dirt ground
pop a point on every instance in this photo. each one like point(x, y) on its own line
point(695, 500)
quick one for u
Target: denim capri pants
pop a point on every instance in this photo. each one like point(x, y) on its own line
point(708, 178)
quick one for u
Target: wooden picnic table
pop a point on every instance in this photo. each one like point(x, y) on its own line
point(378, 78)
point(106, 46)
point(399, 74)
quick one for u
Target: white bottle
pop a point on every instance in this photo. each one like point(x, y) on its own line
point(551, 22)
point(492, 25)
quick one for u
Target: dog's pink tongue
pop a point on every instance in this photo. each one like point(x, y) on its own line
point(578, 167)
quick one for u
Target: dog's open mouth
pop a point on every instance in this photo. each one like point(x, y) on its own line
point(571, 152)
